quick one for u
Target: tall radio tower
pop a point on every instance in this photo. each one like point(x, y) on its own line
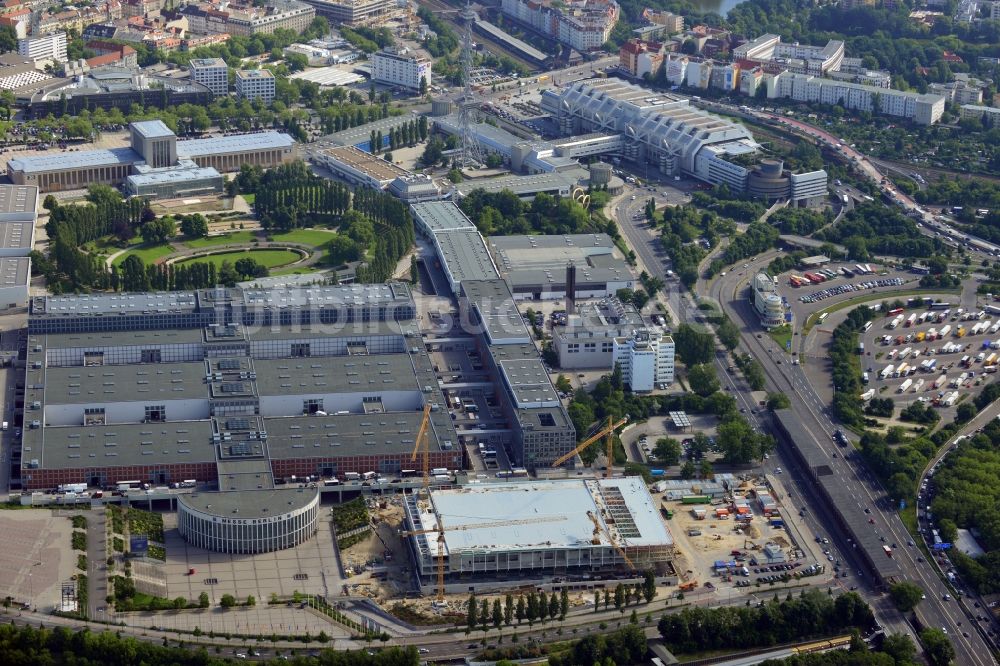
point(472, 152)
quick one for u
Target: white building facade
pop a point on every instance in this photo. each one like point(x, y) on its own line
point(48, 47)
point(397, 67)
point(646, 359)
point(255, 84)
point(212, 73)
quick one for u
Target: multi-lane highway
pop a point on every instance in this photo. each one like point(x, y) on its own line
point(936, 610)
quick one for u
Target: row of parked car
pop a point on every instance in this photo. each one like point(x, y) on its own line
point(823, 294)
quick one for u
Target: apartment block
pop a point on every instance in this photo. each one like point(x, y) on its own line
point(646, 359)
point(255, 84)
point(212, 73)
point(47, 47)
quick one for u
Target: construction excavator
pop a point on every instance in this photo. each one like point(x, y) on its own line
point(441, 529)
point(608, 431)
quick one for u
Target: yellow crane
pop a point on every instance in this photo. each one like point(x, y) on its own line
point(440, 530)
point(608, 430)
point(423, 442)
point(599, 529)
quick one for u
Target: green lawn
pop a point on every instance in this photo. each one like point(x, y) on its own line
point(225, 239)
point(249, 198)
point(269, 258)
point(313, 237)
point(782, 335)
point(148, 253)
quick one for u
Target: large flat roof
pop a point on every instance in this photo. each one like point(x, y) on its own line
point(361, 134)
point(78, 385)
point(18, 199)
point(14, 271)
point(523, 185)
point(81, 160)
point(550, 514)
point(335, 374)
point(120, 445)
point(249, 504)
point(170, 336)
point(368, 164)
point(330, 295)
point(16, 235)
point(236, 143)
point(173, 175)
point(128, 302)
point(465, 253)
point(441, 216)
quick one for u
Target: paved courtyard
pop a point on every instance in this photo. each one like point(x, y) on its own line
point(311, 568)
point(36, 558)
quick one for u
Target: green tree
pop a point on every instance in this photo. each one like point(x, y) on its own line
point(649, 586)
point(497, 613)
point(203, 600)
point(937, 648)
point(563, 384)
point(693, 345)
point(251, 600)
point(520, 611)
point(729, 334)
point(778, 401)
point(194, 226)
point(227, 601)
point(900, 648)
point(668, 451)
point(563, 603)
point(471, 620)
point(688, 470)
point(620, 597)
point(180, 603)
point(703, 379)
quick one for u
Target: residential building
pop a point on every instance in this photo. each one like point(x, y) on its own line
point(398, 67)
point(126, 55)
point(356, 13)
point(963, 90)
point(923, 109)
point(46, 47)
point(248, 21)
point(584, 25)
point(674, 23)
point(817, 60)
point(990, 113)
point(646, 359)
point(255, 84)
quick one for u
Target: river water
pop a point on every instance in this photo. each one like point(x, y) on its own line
point(718, 6)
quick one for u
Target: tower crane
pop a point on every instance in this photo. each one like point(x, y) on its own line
point(601, 529)
point(609, 431)
point(441, 529)
point(423, 442)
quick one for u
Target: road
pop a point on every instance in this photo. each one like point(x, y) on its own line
point(790, 379)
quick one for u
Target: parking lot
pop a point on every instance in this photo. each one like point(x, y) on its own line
point(942, 353)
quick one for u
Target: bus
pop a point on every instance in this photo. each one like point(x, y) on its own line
point(128, 485)
point(516, 473)
point(823, 317)
point(405, 473)
point(867, 326)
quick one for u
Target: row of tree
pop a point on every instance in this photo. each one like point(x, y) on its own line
point(290, 196)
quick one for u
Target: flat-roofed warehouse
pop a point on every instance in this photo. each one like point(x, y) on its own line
point(535, 266)
point(533, 527)
point(315, 381)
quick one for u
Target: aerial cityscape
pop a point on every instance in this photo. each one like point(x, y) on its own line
point(567, 332)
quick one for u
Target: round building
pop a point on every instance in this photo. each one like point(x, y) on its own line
point(248, 522)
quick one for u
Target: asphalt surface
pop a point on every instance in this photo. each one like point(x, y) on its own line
point(791, 380)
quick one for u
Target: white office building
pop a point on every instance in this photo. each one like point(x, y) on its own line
point(212, 73)
point(398, 67)
point(255, 83)
point(646, 359)
point(47, 47)
point(766, 301)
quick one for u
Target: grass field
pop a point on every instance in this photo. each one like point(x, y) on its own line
point(148, 253)
point(269, 258)
point(314, 237)
point(226, 239)
point(782, 335)
point(249, 198)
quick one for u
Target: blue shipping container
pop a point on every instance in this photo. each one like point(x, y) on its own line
point(656, 472)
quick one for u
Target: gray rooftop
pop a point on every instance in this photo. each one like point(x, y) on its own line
point(539, 261)
point(16, 235)
point(152, 129)
point(68, 447)
point(15, 271)
point(124, 383)
point(845, 501)
point(360, 329)
point(495, 305)
point(236, 143)
point(355, 136)
point(245, 475)
point(128, 302)
point(68, 161)
point(173, 175)
point(117, 338)
point(354, 434)
point(441, 216)
point(506, 38)
point(335, 374)
point(208, 62)
point(466, 256)
point(321, 296)
point(250, 504)
point(529, 382)
point(18, 199)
